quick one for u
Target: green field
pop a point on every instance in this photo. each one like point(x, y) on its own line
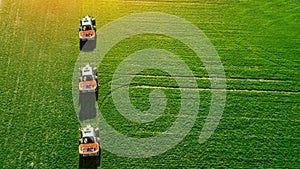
point(258, 42)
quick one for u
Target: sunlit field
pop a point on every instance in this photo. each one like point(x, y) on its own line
point(257, 41)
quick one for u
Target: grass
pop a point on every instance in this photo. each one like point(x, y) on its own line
point(258, 44)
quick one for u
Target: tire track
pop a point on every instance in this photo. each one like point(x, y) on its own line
point(42, 46)
point(17, 22)
point(18, 73)
point(209, 89)
point(211, 78)
point(206, 78)
point(254, 118)
point(262, 80)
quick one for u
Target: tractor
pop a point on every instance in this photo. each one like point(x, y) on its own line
point(89, 147)
point(87, 33)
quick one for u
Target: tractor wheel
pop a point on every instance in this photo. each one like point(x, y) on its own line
point(97, 90)
point(94, 21)
point(81, 44)
point(96, 95)
point(81, 161)
point(99, 157)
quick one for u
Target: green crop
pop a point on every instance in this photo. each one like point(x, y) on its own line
point(257, 42)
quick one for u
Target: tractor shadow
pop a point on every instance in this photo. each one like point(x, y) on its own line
point(90, 162)
point(87, 103)
point(88, 46)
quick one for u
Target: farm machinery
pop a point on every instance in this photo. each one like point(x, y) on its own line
point(88, 80)
point(89, 147)
point(87, 32)
point(88, 92)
